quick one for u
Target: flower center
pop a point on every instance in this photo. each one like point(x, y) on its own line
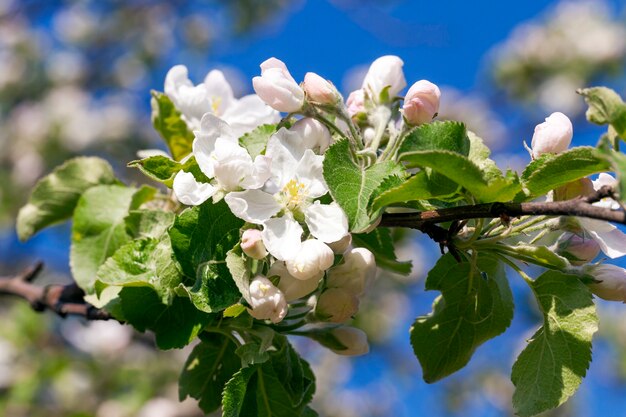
point(294, 194)
point(215, 104)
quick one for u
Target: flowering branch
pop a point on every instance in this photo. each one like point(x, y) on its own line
point(62, 299)
point(580, 207)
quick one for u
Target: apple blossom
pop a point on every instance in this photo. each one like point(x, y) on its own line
point(611, 283)
point(421, 103)
point(336, 305)
point(189, 191)
point(552, 136)
point(252, 244)
point(320, 90)
point(292, 287)
point(313, 257)
point(356, 102)
point(355, 273)
point(266, 301)
point(578, 249)
point(354, 340)
point(385, 72)
point(277, 88)
point(314, 135)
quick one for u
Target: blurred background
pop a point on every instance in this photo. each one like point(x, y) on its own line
point(75, 79)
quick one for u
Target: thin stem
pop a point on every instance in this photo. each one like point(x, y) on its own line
point(516, 268)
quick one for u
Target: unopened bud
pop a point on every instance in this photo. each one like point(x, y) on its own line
point(277, 88)
point(341, 245)
point(313, 133)
point(356, 102)
point(293, 288)
point(314, 257)
point(421, 103)
point(337, 305)
point(552, 136)
point(266, 301)
point(578, 249)
point(355, 273)
point(252, 244)
point(611, 283)
point(354, 340)
point(320, 90)
point(384, 74)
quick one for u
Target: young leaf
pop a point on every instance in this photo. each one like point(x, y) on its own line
point(442, 136)
point(172, 128)
point(211, 364)
point(161, 168)
point(605, 107)
point(552, 366)
point(256, 140)
point(55, 196)
point(418, 187)
point(352, 186)
point(235, 392)
point(148, 223)
point(475, 305)
point(241, 275)
point(214, 289)
point(174, 325)
point(99, 228)
point(381, 244)
point(549, 172)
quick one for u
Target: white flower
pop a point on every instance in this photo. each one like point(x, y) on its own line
point(312, 258)
point(612, 241)
point(384, 72)
point(421, 103)
point(355, 273)
point(612, 282)
point(337, 305)
point(266, 301)
point(252, 244)
point(215, 96)
point(277, 88)
point(189, 191)
point(293, 288)
point(354, 340)
point(314, 135)
point(552, 136)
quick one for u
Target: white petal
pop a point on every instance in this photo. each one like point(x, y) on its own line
point(310, 172)
point(282, 237)
point(611, 240)
point(253, 206)
point(211, 129)
point(189, 191)
point(219, 92)
point(247, 113)
point(293, 288)
point(327, 222)
point(260, 173)
point(286, 149)
point(232, 164)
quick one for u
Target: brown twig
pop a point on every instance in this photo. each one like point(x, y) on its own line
point(62, 299)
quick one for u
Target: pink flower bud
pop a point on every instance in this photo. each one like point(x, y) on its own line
point(385, 72)
point(337, 305)
point(421, 103)
point(293, 288)
point(266, 301)
point(552, 136)
point(320, 90)
point(356, 102)
point(252, 244)
point(611, 283)
point(314, 257)
point(354, 340)
point(578, 249)
point(277, 88)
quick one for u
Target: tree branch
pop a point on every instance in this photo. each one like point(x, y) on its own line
point(580, 207)
point(62, 299)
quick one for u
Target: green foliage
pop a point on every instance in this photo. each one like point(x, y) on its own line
point(172, 128)
point(552, 366)
point(256, 140)
point(551, 171)
point(99, 228)
point(617, 160)
point(161, 168)
point(381, 244)
point(351, 186)
point(211, 364)
point(55, 196)
point(417, 187)
point(605, 107)
point(475, 305)
point(214, 289)
point(441, 136)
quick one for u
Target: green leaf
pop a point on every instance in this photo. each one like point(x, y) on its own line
point(417, 187)
point(55, 196)
point(381, 244)
point(148, 223)
point(99, 228)
point(235, 392)
point(618, 165)
point(475, 305)
point(252, 354)
point(543, 255)
point(551, 171)
point(174, 325)
point(236, 264)
point(485, 186)
point(351, 186)
point(204, 233)
point(214, 289)
point(172, 128)
point(142, 262)
point(442, 136)
point(256, 140)
point(161, 168)
point(605, 107)
point(211, 364)
point(552, 366)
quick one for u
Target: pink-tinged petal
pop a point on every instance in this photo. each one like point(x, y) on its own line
point(612, 241)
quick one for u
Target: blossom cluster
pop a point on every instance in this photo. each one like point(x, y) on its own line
point(298, 237)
